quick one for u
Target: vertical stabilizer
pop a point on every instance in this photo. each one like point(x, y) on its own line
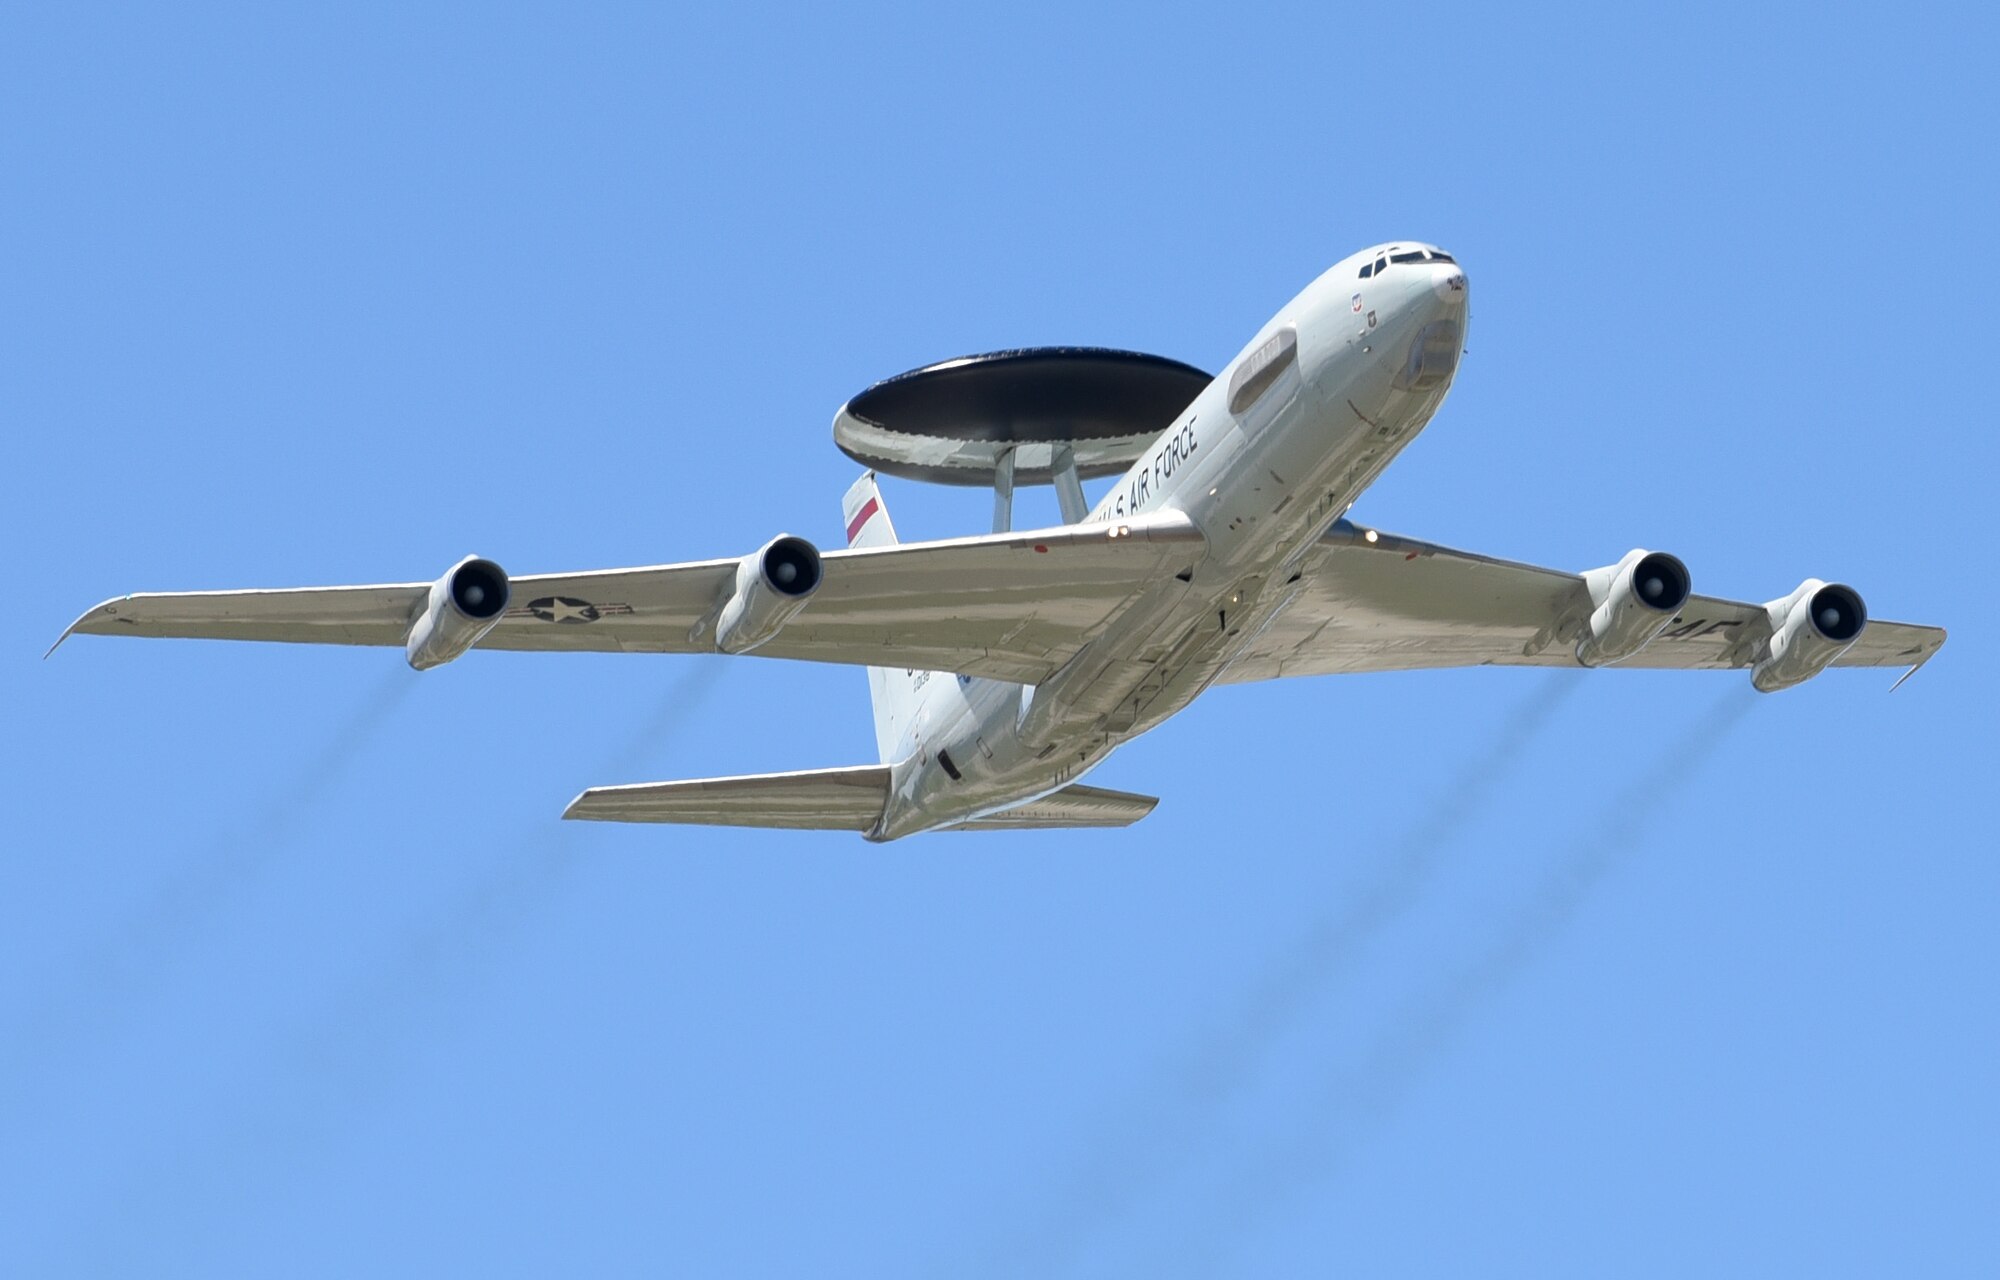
point(893, 689)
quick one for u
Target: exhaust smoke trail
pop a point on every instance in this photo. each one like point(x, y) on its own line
point(1167, 1136)
point(114, 973)
point(435, 968)
point(1331, 948)
point(326, 1074)
point(1366, 1097)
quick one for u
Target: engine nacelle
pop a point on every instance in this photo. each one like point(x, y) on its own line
point(1809, 629)
point(772, 584)
point(463, 605)
point(1631, 602)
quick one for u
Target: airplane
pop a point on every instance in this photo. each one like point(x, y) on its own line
point(1003, 667)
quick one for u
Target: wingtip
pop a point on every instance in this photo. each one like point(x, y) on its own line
point(1918, 665)
point(77, 626)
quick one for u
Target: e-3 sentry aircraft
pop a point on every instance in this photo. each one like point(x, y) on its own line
point(1005, 666)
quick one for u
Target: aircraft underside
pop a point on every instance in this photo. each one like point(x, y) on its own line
point(1004, 666)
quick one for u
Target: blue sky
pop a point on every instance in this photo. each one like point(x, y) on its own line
point(1484, 972)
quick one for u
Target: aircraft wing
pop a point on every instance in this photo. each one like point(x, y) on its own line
point(1010, 606)
point(1388, 603)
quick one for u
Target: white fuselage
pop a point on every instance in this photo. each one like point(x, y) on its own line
point(1260, 465)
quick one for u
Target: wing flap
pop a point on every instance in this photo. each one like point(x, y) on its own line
point(848, 799)
point(1397, 604)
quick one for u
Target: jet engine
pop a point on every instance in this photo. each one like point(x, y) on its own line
point(1631, 602)
point(1809, 629)
point(771, 585)
point(463, 605)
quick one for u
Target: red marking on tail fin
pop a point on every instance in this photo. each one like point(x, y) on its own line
point(868, 509)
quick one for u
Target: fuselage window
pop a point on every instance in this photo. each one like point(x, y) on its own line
point(1367, 269)
point(1263, 367)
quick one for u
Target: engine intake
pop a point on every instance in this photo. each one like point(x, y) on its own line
point(772, 584)
point(462, 606)
point(1809, 629)
point(1631, 602)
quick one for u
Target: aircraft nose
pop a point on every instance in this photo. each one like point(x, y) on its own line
point(1447, 282)
point(1438, 315)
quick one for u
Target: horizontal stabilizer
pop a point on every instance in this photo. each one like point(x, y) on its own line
point(1076, 806)
point(848, 799)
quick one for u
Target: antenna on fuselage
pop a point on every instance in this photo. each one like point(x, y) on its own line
point(1069, 486)
point(1041, 415)
point(1003, 492)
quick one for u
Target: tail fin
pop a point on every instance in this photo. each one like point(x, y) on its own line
point(893, 690)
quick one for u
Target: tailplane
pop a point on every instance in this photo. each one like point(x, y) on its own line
point(1074, 806)
point(850, 799)
point(894, 690)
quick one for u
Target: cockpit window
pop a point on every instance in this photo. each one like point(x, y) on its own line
point(1382, 261)
point(1421, 255)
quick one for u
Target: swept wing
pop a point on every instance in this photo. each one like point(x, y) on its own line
point(1373, 601)
point(1012, 606)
